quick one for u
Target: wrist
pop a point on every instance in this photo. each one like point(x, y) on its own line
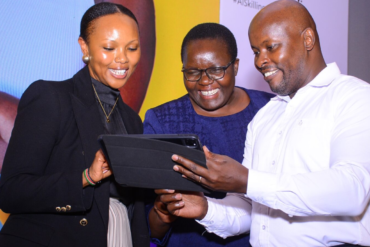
point(89, 179)
point(204, 211)
point(243, 181)
point(96, 181)
point(158, 227)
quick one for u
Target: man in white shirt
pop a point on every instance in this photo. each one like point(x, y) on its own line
point(305, 178)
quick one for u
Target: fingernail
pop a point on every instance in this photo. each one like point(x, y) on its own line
point(175, 157)
point(170, 191)
point(178, 196)
point(179, 204)
point(206, 148)
point(176, 168)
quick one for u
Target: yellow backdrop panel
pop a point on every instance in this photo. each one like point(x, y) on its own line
point(173, 20)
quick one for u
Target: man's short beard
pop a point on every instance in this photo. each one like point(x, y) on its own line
point(294, 78)
point(281, 88)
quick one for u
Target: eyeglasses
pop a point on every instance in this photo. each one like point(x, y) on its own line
point(215, 73)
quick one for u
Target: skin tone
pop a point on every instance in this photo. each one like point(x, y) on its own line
point(284, 39)
point(135, 89)
point(98, 170)
point(113, 48)
point(285, 48)
point(227, 100)
point(114, 51)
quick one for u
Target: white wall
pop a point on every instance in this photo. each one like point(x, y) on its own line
point(331, 17)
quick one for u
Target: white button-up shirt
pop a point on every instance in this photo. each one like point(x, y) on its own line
point(309, 161)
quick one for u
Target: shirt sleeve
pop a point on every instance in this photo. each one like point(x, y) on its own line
point(27, 185)
point(229, 216)
point(340, 190)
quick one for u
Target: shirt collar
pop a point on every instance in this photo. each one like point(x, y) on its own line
point(324, 78)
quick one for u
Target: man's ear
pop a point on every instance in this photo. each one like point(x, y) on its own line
point(83, 45)
point(236, 66)
point(309, 38)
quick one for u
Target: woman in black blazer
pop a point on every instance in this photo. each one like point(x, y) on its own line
point(55, 183)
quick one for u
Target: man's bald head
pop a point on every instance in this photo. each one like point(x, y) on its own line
point(285, 42)
point(289, 13)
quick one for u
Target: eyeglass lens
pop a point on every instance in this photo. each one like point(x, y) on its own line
point(212, 73)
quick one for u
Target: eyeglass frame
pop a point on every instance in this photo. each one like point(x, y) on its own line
point(205, 71)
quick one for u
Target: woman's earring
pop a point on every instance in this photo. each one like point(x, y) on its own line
point(85, 59)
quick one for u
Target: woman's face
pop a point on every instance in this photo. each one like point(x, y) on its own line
point(209, 95)
point(113, 48)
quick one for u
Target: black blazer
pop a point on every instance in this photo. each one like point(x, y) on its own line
point(54, 139)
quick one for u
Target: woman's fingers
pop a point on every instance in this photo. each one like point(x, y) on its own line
point(107, 173)
point(99, 169)
point(163, 191)
point(170, 198)
point(100, 156)
point(175, 208)
point(161, 210)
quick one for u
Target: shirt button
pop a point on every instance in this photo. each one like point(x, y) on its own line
point(263, 227)
point(281, 132)
point(300, 122)
point(273, 163)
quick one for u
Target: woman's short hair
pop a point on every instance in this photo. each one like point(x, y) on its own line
point(99, 10)
point(211, 31)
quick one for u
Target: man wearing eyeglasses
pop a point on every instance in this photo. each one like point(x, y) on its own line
point(305, 178)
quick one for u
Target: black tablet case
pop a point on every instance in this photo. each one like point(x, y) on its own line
point(147, 163)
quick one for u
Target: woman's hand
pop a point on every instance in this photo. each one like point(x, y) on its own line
point(98, 170)
point(169, 205)
point(159, 217)
point(160, 208)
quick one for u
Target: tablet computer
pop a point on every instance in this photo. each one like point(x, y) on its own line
point(145, 160)
point(187, 140)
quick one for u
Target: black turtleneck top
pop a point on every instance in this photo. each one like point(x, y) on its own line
point(108, 97)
